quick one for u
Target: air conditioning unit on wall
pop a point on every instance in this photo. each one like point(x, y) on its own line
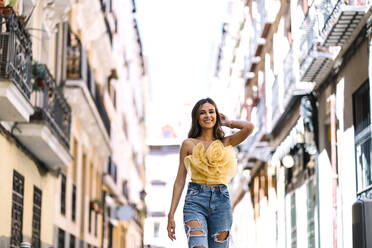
point(362, 223)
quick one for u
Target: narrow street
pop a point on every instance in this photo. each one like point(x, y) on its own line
point(96, 99)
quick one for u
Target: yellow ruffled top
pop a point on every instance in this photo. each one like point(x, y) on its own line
point(216, 165)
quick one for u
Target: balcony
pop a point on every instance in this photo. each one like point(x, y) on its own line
point(289, 77)
point(275, 101)
point(84, 97)
point(292, 86)
point(110, 180)
point(268, 10)
point(47, 135)
point(315, 61)
point(341, 20)
point(15, 69)
point(316, 65)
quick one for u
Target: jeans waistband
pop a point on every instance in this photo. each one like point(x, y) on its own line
point(203, 187)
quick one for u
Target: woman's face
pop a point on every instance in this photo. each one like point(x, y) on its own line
point(207, 115)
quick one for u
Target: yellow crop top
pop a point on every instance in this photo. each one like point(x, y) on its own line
point(216, 165)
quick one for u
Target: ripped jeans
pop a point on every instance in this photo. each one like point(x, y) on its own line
point(207, 216)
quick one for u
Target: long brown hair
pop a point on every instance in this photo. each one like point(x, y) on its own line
point(195, 130)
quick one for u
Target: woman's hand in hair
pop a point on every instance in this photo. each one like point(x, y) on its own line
point(225, 121)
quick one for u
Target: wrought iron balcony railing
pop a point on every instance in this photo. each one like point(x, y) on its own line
point(308, 40)
point(78, 68)
point(15, 51)
point(53, 109)
point(340, 19)
point(315, 60)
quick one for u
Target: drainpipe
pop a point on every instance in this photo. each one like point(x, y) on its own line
point(332, 101)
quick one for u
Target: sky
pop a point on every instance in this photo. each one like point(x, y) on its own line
point(180, 41)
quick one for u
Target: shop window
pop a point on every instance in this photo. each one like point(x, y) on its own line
point(17, 210)
point(36, 217)
point(362, 126)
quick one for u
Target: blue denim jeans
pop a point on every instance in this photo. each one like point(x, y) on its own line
point(208, 208)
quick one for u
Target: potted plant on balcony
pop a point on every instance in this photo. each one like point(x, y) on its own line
point(38, 75)
point(6, 11)
point(96, 205)
point(38, 82)
point(24, 19)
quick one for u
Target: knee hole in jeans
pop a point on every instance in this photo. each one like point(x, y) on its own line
point(222, 236)
point(195, 223)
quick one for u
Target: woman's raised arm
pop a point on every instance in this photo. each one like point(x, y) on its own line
point(246, 128)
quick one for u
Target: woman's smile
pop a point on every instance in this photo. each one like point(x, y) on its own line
point(207, 115)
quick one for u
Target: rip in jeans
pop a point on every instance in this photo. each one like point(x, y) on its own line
point(194, 229)
point(221, 237)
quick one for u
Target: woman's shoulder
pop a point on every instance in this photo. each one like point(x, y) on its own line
point(189, 142)
point(188, 145)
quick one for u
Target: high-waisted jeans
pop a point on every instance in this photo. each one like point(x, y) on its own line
point(207, 212)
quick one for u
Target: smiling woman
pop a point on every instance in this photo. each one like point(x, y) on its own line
point(207, 155)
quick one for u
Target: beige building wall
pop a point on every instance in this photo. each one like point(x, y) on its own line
point(86, 174)
point(350, 78)
point(13, 158)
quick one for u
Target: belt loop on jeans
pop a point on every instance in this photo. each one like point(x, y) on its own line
point(220, 187)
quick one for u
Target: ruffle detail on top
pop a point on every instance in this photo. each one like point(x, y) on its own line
point(216, 165)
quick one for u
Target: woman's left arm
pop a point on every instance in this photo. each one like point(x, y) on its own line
point(246, 128)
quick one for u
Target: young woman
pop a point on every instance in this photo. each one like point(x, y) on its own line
point(207, 155)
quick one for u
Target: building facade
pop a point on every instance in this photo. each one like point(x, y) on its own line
point(68, 81)
point(306, 73)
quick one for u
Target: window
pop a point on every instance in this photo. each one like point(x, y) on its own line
point(95, 224)
point(156, 229)
point(362, 126)
point(61, 238)
point(57, 52)
point(293, 221)
point(75, 154)
point(63, 194)
point(73, 56)
point(17, 210)
point(310, 214)
point(90, 219)
point(98, 185)
point(72, 241)
point(125, 189)
point(36, 216)
point(73, 203)
point(112, 169)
